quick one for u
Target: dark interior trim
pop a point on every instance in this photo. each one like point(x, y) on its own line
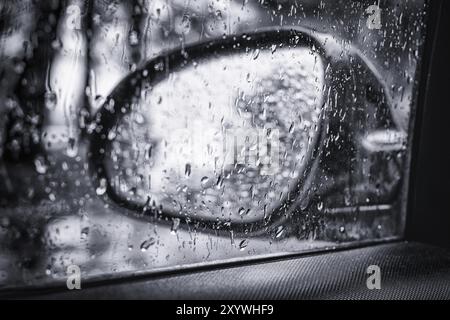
point(428, 209)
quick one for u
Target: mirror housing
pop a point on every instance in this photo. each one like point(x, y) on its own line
point(351, 83)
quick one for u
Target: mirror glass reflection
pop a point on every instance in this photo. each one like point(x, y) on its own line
point(227, 137)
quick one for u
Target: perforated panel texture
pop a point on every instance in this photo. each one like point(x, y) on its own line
point(408, 271)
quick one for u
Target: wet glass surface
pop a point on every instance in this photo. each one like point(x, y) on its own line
point(322, 141)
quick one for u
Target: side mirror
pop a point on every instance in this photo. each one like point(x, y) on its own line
point(229, 134)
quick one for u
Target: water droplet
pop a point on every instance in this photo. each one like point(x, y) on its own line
point(50, 100)
point(147, 244)
point(72, 148)
point(139, 118)
point(243, 211)
point(243, 244)
point(133, 38)
point(84, 233)
point(175, 225)
point(220, 182)
point(19, 67)
point(56, 44)
point(280, 232)
point(112, 135)
point(320, 206)
point(101, 189)
point(40, 165)
point(187, 170)
point(183, 24)
point(255, 54)
point(292, 127)
point(274, 48)
point(204, 181)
